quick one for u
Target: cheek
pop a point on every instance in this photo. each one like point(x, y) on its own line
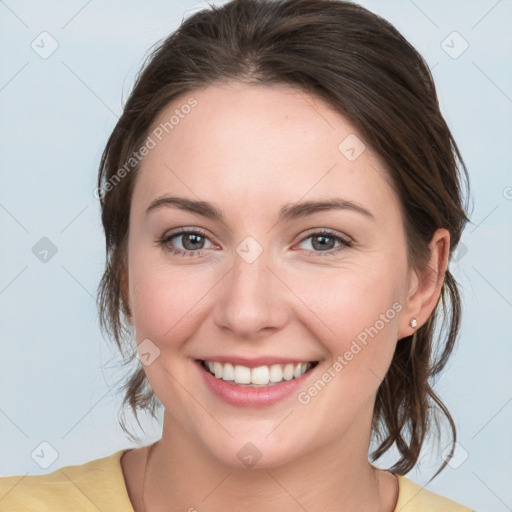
point(351, 298)
point(359, 324)
point(356, 317)
point(164, 300)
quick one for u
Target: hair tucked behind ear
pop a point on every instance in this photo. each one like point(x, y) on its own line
point(365, 69)
point(404, 410)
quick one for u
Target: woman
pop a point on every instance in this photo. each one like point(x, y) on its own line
point(280, 199)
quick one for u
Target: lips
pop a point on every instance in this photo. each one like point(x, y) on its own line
point(252, 395)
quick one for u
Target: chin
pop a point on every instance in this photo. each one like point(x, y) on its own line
point(253, 452)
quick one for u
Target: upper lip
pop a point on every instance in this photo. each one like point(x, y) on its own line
point(256, 361)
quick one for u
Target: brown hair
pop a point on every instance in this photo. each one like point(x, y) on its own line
point(362, 66)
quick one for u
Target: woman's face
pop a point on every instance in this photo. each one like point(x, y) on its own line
point(262, 281)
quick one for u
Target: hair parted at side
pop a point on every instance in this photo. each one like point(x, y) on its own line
point(365, 69)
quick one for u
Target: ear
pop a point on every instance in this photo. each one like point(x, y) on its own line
point(425, 285)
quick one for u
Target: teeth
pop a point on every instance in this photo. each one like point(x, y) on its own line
point(288, 372)
point(297, 370)
point(217, 369)
point(242, 374)
point(228, 371)
point(256, 377)
point(260, 375)
point(276, 373)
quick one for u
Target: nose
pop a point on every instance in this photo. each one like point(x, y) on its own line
point(253, 301)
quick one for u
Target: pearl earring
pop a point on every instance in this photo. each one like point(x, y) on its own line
point(414, 323)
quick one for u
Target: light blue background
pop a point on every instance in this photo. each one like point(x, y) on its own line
point(58, 376)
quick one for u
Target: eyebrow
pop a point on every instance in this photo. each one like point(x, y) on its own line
point(288, 211)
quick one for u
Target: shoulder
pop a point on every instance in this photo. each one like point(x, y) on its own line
point(98, 484)
point(415, 498)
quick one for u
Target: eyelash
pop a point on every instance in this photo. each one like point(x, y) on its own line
point(165, 243)
point(345, 243)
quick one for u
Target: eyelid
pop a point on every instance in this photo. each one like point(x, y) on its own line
point(168, 235)
point(185, 229)
point(343, 239)
point(326, 231)
point(300, 238)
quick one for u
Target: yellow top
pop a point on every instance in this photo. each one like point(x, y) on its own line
point(99, 485)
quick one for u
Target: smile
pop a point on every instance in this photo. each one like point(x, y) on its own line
point(261, 376)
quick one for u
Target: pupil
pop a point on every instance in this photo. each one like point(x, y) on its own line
point(193, 238)
point(322, 245)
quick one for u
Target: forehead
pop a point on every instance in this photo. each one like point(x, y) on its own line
point(254, 144)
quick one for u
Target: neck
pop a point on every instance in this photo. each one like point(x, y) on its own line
point(329, 478)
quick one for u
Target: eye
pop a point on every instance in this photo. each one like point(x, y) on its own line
point(189, 242)
point(322, 243)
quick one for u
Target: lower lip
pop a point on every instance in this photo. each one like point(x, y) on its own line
point(252, 397)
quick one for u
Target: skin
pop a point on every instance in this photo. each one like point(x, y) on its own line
point(250, 149)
